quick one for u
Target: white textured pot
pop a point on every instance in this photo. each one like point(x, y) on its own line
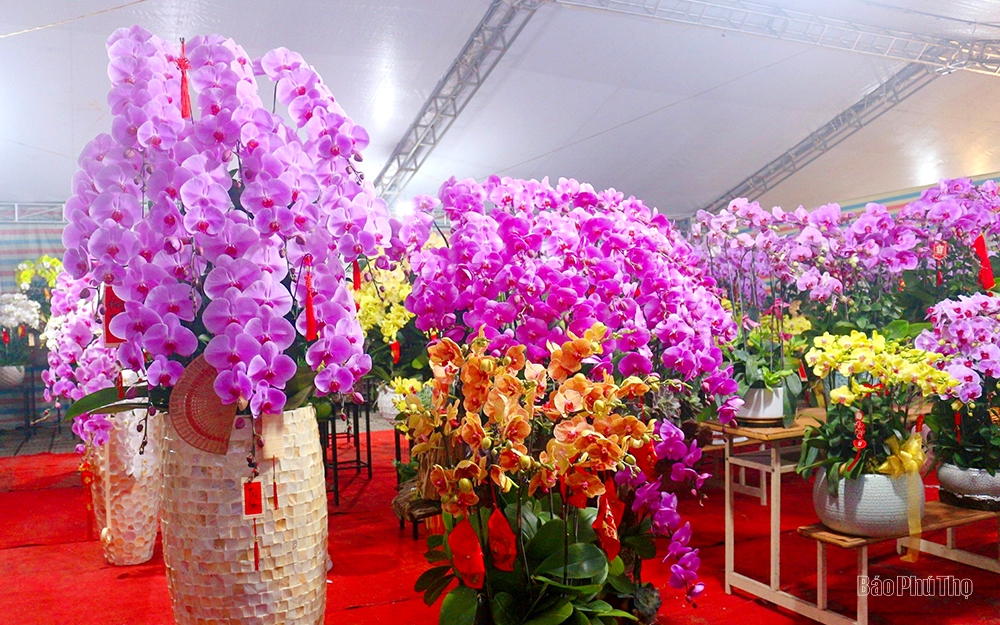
point(971, 488)
point(208, 546)
point(761, 405)
point(11, 376)
point(385, 403)
point(871, 505)
point(126, 489)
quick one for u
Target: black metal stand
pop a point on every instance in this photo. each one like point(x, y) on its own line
point(353, 415)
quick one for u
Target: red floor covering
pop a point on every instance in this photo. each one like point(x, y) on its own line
point(52, 571)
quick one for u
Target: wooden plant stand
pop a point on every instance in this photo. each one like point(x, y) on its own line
point(937, 516)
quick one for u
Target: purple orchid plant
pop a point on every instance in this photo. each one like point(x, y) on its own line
point(225, 232)
point(79, 363)
point(530, 263)
point(850, 265)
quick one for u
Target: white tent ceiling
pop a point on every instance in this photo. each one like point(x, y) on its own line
point(674, 114)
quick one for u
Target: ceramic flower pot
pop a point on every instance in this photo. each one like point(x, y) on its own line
point(871, 505)
point(126, 489)
point(385, 403)
point(762, 406)
point(208, 546)
point(11, 376)
point(969, 488)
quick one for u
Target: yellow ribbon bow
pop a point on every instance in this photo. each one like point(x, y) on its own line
point(907, 459)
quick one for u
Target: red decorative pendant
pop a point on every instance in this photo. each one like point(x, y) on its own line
point(394, 347)
point(939, 250)
point(184, 64)
point(958, 427)
point(312, 329)
point(357, 276)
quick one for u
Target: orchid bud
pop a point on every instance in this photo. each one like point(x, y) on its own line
point(465, 485)
point(487, 443)
point(487, 365)
point(526, 462)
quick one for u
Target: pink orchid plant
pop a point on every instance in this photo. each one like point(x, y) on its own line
point(224, 227)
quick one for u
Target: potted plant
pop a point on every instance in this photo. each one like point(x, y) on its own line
point(225, 229)
point(747, 254)
point(966, 426)
point(531, 261)
point(19, 316)
point(766, 365)
point(121, 469)
point(36, 279)
point(867, 459)
point(550, 486)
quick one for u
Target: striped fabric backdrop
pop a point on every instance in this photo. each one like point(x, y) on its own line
point(18, 242)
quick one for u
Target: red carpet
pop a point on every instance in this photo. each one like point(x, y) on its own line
point(52, 571)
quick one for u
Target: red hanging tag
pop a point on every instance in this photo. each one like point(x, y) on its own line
point(394, 348)
point(920, 424)
point(311, 325)
point(357, 276)
point(256, 547)
point(802, 372)
point(940, 278)
point(985, 269)
point(120, 385)
point(6, 336)
point(939, 249)
point(113, 306)
point(253, 499)
point(958, 428)
point(184, 65)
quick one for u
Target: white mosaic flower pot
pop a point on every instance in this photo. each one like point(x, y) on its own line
point(126, 489)
point(762, 406)
point(11, 376)
point(208, 546)
point(970, 488)
point(871, 505)
point(385, 403)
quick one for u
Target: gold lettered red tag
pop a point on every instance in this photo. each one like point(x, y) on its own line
point(253, 499)
point(113, 306)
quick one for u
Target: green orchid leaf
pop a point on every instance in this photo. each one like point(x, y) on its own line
point(585, 561)
point(459, 607)
point(428, 577)
point(552, 616)
point(100, 401)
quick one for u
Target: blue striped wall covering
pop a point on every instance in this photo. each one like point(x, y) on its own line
point(18, 242)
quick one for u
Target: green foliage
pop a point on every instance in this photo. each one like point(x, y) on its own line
point(560, 573)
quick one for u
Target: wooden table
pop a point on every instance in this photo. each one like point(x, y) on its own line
point(937, 516)
point(775, 460)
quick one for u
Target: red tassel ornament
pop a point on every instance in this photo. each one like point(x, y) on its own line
point(357, 276)
point(184, 65)
point(394, 348)
point(312, 329)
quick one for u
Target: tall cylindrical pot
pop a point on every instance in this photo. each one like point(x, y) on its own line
point(762, 407)
point(208, 545)
point(126, 488)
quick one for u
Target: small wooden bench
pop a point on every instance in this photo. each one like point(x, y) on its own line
point(937, 516)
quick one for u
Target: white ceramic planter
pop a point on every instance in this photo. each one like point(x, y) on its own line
point(208, 546)
point(385, 403)
point(972, 488)
point(11, 376)
point(762, 406)
point(126, 489)
point(871, 505)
